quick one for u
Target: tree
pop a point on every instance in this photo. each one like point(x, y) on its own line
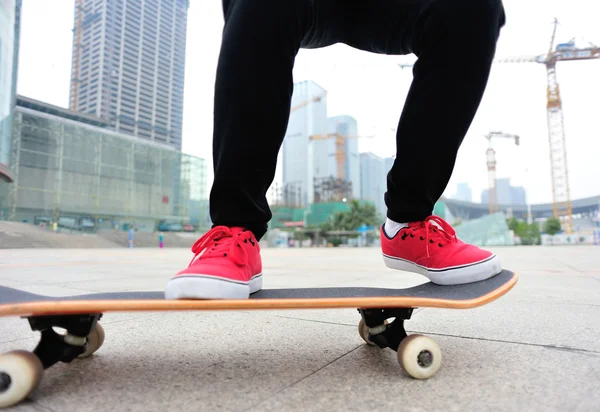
point(529, 233)
point(552, 226)
point(358, 215)
point(512, 224)
point(532, 234)
point(350, 220)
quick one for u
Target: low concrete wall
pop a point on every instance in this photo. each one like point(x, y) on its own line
point(16, 235)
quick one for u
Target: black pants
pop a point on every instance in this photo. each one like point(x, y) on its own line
point(454, 40)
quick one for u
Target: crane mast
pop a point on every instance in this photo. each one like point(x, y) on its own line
point(561, 199)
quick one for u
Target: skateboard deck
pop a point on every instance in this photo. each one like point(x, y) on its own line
point(14, 302)
point(419, 355)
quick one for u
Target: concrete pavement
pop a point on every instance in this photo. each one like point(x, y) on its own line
point(537, 348)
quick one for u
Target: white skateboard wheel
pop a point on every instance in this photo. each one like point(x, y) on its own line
point(20, 374)
point(420, 356)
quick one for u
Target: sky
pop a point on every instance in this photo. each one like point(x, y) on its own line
point(372, 89)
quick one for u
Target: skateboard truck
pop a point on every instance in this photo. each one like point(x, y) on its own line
point(53, 347)
point(382, 333)
point(419, 355)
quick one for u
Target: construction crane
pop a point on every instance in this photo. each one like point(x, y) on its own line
point(307, 102)
point(561, 200)
point(491, 166)
point(340, 149)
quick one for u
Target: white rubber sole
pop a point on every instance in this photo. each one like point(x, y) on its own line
point(211, 287)
point(457, 275)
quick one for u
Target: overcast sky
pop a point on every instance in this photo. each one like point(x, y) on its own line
point(373, 90)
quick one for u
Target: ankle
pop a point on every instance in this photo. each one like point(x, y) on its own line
point(391, 228)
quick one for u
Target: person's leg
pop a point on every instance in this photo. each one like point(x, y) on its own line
point(253, 94)
point(455, 43)
point(455, 46)
point(252, 105)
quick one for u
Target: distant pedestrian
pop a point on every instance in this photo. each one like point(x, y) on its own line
point(131, 232)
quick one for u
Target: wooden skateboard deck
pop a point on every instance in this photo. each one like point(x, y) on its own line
point(15, 302)
point(419, 356)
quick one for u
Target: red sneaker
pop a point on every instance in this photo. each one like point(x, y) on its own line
point(432, 249)
point(226, 265)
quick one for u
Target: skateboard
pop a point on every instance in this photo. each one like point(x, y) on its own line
point(419, 355)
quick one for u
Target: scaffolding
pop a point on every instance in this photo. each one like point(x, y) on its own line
point(331, 189)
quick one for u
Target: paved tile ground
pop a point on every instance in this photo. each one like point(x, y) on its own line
point(538, 348)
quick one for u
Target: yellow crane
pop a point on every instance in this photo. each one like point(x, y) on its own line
point(561, 200)
point(340, 149)
point(491, 166)
point(307, 102)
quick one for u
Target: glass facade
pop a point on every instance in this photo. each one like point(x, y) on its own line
point(83, 176)
point(9, 31)
point(490, 230)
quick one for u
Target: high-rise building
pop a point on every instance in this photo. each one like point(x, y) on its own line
point(298, 153)
point(506, 193)
point(518, 195)
point(128, 65)
point(10, 18)
point(463, 192)
point(311, 151)
point(347, 128)
point(373, 180)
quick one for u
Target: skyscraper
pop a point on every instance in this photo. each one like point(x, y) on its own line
point(347, 127)
point(128, 65)
point(463, 192)
point(298, 159)
point(507, 194)
point(373, 180)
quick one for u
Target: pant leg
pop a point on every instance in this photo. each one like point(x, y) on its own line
point(455, 49)
point(455, 43)
point(253, 93)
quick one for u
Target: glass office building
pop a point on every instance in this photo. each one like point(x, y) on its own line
point(70, 168)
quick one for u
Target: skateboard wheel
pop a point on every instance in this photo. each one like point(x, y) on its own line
point(420, 356)
point(94, 341)
point(20, 374)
